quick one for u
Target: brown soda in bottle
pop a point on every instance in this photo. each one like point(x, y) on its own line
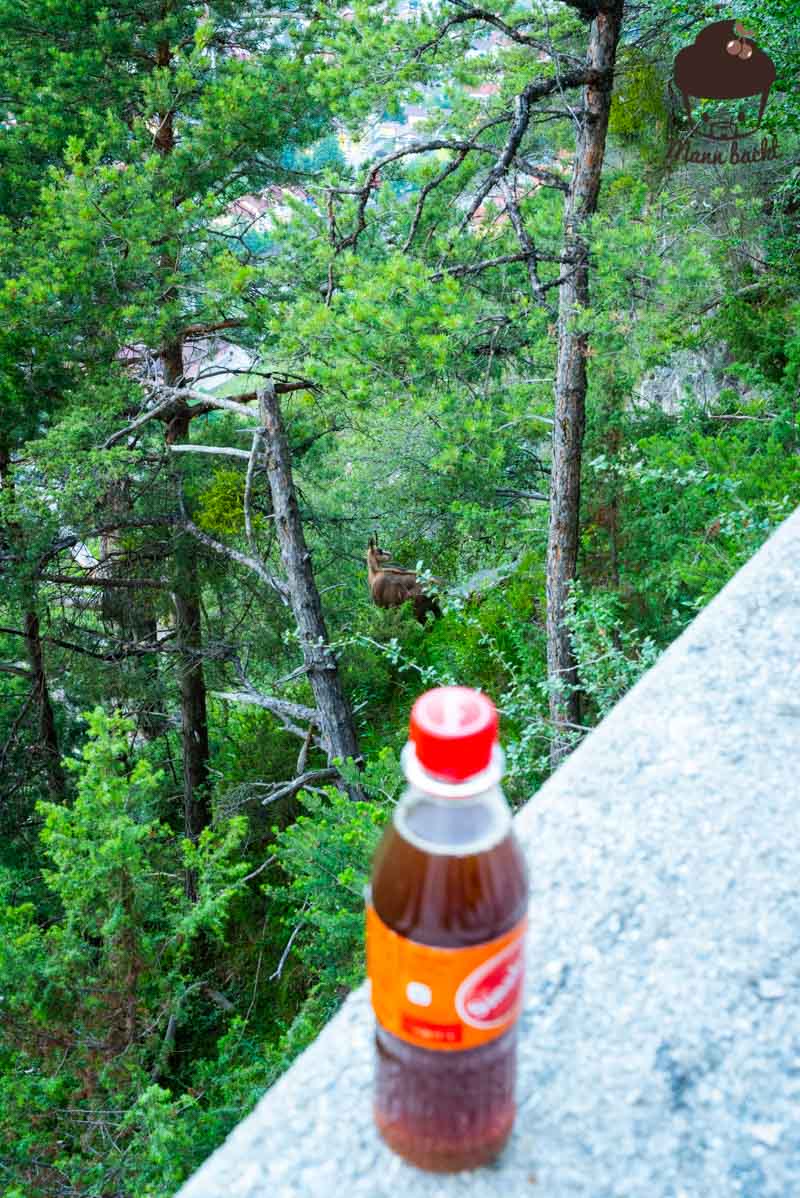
point(446, 916)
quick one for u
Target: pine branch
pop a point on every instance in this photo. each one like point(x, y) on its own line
point(482, 15)
point(193, 331)
point(426, 191)
point(488, 263)
point(130, 584)
point(6, 667)
point(523, 237)
point(537, 89)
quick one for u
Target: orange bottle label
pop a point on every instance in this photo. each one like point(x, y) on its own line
point(444, 998)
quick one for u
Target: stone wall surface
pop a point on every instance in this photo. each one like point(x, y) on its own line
point(660, 1041)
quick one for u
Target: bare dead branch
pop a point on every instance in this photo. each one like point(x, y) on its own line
point(541, 174)
point(260, 869)
point(256, 448)
point(279, 970)
point(193, 331)
point(174, 400)
point(212, 403)
point(123, 648)
point(223, 450)
point(242, 559)
point(291, 676)
point(17, 724)
point(303, 754)
point(287, 713)
point(69, 540)
point(512, 493)
point(145, 418)
point(371, 180)
point(283, 790)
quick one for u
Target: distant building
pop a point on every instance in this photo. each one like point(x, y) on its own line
point(272, 204)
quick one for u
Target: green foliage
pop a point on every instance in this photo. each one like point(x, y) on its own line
point(87, 995)
point(693, 517)
point(638, 109)
point(327, 853)
point(610, 656)
point(220, 503)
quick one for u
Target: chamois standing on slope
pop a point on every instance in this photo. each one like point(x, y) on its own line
point(391, 586)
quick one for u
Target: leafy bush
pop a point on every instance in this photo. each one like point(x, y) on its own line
point(610, 657)
point(94, 1001)
point(327, 854)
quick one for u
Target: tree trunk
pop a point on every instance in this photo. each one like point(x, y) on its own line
point(186, 593)
point(48, 736)
point(186, 597)
point(570, 387)
point(338, 731)
point(194, 718)
point(131, 612)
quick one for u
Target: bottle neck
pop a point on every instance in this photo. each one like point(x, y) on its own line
point(442, 788)
point(452, 818)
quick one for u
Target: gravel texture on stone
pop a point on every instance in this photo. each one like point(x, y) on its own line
point(660, 1041)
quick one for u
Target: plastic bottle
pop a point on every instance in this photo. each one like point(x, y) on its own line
point(446, 916)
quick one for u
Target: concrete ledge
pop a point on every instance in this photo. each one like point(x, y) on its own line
point(660, 1048)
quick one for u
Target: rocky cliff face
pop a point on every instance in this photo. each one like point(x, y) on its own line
point(699, 373)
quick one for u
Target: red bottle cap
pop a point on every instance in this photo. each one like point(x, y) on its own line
point(453, 730)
